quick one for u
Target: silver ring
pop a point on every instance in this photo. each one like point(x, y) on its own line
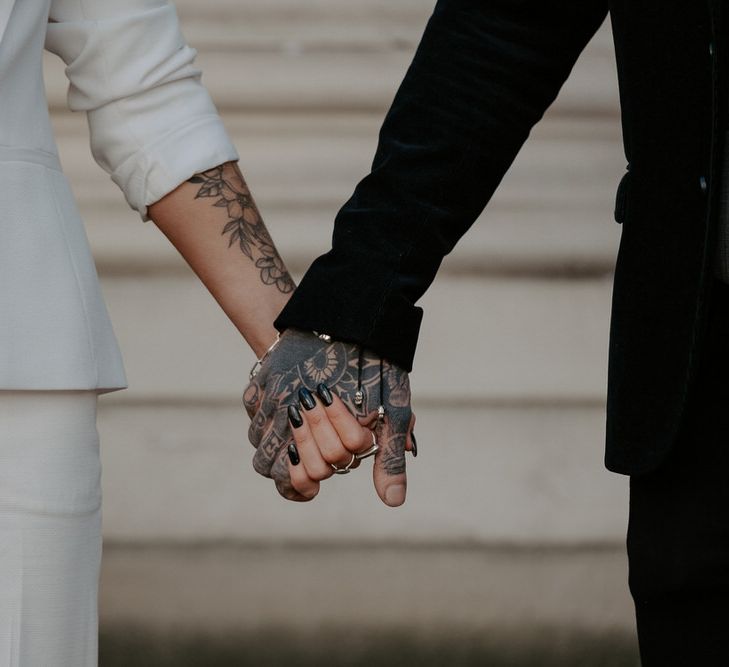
point(346, 469)
point(371, 451)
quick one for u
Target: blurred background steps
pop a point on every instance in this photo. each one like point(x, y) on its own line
point(391, 606)
point(292, 57)
point(303, 89)
point(509, 550)
point(542, 341)
point(513, 348)
point(552, 214)
point(511, 369)
point(179, 473)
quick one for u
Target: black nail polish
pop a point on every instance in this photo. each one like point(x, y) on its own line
point(324, 394)
point(293, 454)
point(415, 443)
point(295, 417)
point(307, 399)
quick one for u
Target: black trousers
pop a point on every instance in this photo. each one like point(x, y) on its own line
point(678, 536)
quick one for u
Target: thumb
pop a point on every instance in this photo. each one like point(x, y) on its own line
point(389, 468)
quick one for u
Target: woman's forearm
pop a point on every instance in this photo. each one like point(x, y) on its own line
point(213, 222)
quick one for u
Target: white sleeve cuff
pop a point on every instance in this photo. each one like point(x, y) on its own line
point(152, 122)
point(156, 170)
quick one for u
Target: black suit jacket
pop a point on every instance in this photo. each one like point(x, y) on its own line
point(483, 75)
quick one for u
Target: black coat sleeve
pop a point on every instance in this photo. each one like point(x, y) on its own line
point(483, 75)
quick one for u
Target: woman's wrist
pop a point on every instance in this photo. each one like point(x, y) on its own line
point(214, 223)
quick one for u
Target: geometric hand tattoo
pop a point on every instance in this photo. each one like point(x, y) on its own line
point(301, 359)
point(245, 227)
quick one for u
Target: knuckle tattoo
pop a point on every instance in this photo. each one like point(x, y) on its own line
point(280, 470)
point(268, 454)
point(261, 466)
point(252, 436)
point(251, 397)
point(363, 381)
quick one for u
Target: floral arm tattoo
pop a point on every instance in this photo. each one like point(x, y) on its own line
point(303, 360)
point(226, 186)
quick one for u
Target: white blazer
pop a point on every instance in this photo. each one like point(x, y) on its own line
point(152, 126)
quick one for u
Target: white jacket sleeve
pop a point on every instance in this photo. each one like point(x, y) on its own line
point(152, 123)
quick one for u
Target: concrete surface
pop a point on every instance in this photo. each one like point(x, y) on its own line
point(364, 604)
point(523, 475)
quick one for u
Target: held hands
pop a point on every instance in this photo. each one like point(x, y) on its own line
point(314, 406)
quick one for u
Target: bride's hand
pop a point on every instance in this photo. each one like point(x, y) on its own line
point(326, 439)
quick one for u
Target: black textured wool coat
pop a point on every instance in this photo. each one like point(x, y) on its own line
point(483, 75)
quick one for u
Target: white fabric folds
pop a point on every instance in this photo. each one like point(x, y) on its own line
point(152, 123)
point(50, 529)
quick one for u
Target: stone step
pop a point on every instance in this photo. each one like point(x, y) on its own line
point(294, 14)
point(552, 213)
point(514, 390)
point(566, 242)
point(484, 475)
point(399, 595)
point(282, 66)
point(514, 387)
point(321, 25)
point(308, 160)
point(483, 340)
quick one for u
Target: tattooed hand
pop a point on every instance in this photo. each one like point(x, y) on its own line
point(281, 399)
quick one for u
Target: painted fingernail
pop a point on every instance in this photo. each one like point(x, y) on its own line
point(293, 454)
point(295, 417)
point(395, 495)
point(324, 394)
point(414, 450)
point(307, 399)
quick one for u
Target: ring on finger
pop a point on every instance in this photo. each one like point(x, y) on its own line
point(345, 469)
point(371, 451)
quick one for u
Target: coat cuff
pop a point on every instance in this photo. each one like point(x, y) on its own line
point(347, 305)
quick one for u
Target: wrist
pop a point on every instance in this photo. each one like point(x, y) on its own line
point(263, 356)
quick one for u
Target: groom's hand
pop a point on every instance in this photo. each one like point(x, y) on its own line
point(312, 374)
